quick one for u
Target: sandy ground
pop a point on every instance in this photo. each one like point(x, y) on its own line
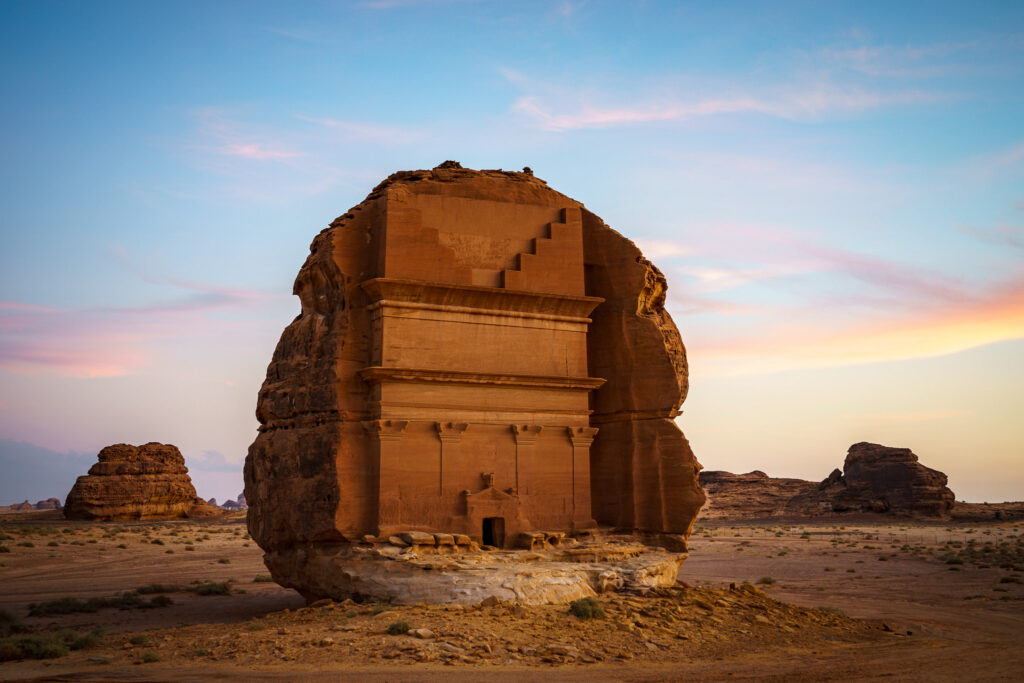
point(956, 589)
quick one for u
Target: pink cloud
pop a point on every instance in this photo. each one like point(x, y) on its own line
point(105, 342)
point(255, 151)
point(819, 339)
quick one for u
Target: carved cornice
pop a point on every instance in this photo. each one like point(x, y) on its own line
point(472, 298)
point(377, 374)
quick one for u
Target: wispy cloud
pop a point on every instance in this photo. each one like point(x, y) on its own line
point(256, 151)
point(365, 131)
point(993, 315)
point(107, 341)
point(1003, 235)
point(903, 417)
point(559, 109)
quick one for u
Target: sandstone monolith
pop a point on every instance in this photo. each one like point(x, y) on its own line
point(476, 355)
point(136, 482)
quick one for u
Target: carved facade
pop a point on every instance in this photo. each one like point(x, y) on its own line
point(476, 354)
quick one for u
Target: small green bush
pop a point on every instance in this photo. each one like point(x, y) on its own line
point(4, 549)
point(767, 580)
point(148, 657)
point(141, 639)
point(27, 544)
point(212, 588)
point(586, 608)
point(398, 628)
point(90, 640)
point(31, 647)
point(263, 578)
point(9, 624)
point(224, 560)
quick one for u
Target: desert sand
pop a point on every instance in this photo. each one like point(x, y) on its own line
point(806, 602)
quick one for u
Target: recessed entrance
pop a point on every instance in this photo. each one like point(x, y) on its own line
point(494, 531)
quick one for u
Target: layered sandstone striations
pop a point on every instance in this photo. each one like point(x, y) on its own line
point(753, 495)
point(874, 479)
point(476, 354)
point(136, 482)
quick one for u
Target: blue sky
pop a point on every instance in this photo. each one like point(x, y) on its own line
point(835, 192)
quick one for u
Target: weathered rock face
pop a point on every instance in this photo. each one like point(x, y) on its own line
point(476, 354)
point(882, 479)
point(136, 482)
point(753, 495)
point(875, 479)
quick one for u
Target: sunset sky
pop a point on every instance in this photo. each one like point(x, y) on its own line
point(834, 190)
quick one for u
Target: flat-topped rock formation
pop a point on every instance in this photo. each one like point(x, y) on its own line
point(136, 482)
point(751, 495)
point(48, 504)
point(874, 479)
point(476, 354)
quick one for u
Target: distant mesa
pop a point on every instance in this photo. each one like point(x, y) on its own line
point(48, 504)
point(875, 479)
point(237, 504)
point(136, 482)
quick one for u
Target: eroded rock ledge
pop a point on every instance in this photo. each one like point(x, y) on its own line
point(414, 567)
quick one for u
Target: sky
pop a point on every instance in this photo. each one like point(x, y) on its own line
point(834, 191)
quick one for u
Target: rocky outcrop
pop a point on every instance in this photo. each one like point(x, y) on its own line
point(475, 354)
point(136, 482)
point(878, 478)
point(874, 479)
point(48, 504)
point(429, 571)
point(753, 495)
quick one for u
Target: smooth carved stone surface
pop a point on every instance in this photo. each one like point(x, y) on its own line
point(874, 479)
point(476, 354)
point(136, 482)
point(390, 574)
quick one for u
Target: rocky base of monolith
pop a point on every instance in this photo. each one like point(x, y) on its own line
point(403, 573)
point(136, 482)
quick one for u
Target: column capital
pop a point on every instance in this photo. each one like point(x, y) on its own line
point(385, 430)
point(581, 437)
point(526, 434)
point(450, 432)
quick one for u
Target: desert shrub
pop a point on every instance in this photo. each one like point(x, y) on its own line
point(151, 588)
point(190, 547)
point(766, 580)
point(125, 601)
point(9, 624)
point(4, 549)
point(148, 657)
point(586, 608)
point(88, 641)
point(27, 544)
point(157, 541)
point(31, 647)
point(263, 578)
point(224, 560)
point(53, 544)
point(141, 639)
point(212, 588)
point(1010, 579)
point(398, 628)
